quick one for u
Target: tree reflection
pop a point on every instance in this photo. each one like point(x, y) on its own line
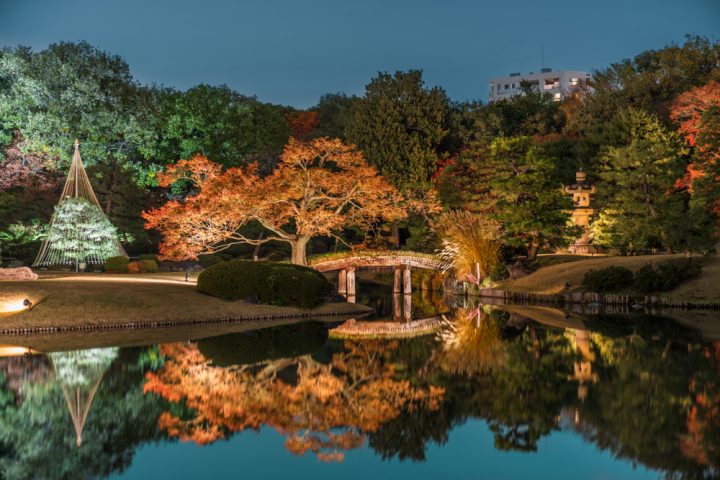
point(37, 438)
point(702, 440)
point(320, 408)
point(643, 388)
point(79, 374)
point(472, 343)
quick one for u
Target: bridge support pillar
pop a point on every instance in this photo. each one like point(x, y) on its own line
point(351, 285)
point(407, 307)
point(397, 306)
point(397, 284)
point(407, 280)
point(342, 283)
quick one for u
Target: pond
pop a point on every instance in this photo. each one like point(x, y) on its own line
point(496, 391)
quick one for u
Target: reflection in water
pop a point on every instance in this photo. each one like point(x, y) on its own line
point(645, 389)
point(472, 343)
point(583, 367)
point(324, 407)
point(79, 374)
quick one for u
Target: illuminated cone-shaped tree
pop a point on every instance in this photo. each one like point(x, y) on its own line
point(79, 230)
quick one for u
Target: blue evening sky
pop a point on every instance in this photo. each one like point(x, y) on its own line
point(293, 51)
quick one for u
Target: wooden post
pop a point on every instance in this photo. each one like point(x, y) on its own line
point(397, 284)
point(407, 287)
point(342, 283)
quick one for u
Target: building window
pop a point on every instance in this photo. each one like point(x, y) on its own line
point(556, 97)
point(574, 81)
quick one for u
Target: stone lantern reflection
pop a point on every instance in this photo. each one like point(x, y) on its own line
point(582, 212)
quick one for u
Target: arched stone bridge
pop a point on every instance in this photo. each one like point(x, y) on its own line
point(401, 262)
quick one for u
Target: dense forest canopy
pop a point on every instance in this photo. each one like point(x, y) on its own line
point(650, 117)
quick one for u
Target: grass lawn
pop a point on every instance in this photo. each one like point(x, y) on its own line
point(551, 279)
point(61, 300)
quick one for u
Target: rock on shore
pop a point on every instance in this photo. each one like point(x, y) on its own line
point(19, 273)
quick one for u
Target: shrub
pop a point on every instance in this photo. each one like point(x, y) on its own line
point(135, 267)
point(150, 266)
point(207, 261)
point(647, 280)
point(666, 277)
point(273, 283)
point(116, 264)
point(610, 279)
point(148, 256)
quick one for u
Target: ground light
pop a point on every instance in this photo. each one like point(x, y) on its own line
point(12, 307)
point(16, 351)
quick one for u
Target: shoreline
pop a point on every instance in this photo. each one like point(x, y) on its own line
point(101, 302)
point(589, 298)
point(347, 314)
point(559, 283)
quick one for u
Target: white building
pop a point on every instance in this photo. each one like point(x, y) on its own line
point(558, 83)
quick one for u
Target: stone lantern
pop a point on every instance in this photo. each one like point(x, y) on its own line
point(582, 212)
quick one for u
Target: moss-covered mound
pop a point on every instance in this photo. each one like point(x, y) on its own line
point(266, 282)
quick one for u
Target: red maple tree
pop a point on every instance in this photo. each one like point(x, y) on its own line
point(318, 188)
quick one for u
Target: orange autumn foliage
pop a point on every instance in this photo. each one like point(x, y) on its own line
point(318, 188)
point(703, 416)
point(326, 410)
point(687, 111)
point(302, 124)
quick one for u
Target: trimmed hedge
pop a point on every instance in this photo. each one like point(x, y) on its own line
point(666, 277)
point(116, 264)
point(648, 279)
point(610, 279)
point(267, 282)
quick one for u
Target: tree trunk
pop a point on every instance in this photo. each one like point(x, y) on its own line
point(299, 250)
point(256, 250)
point(395, 235)
point(533, 249)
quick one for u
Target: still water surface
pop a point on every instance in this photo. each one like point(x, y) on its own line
point(497, 392)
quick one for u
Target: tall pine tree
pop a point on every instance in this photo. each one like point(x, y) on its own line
point(642, 208)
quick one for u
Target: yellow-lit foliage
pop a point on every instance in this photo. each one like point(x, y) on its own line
point(472, 343)
point(471, 244)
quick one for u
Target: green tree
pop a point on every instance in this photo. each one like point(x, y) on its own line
point(400, 126)
point(527, 195)
point(649, 81)
point(122, 201)
point(73, 90)
point(532, 113)
point(641, 207)
point(221, 124)
point(335, 111)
